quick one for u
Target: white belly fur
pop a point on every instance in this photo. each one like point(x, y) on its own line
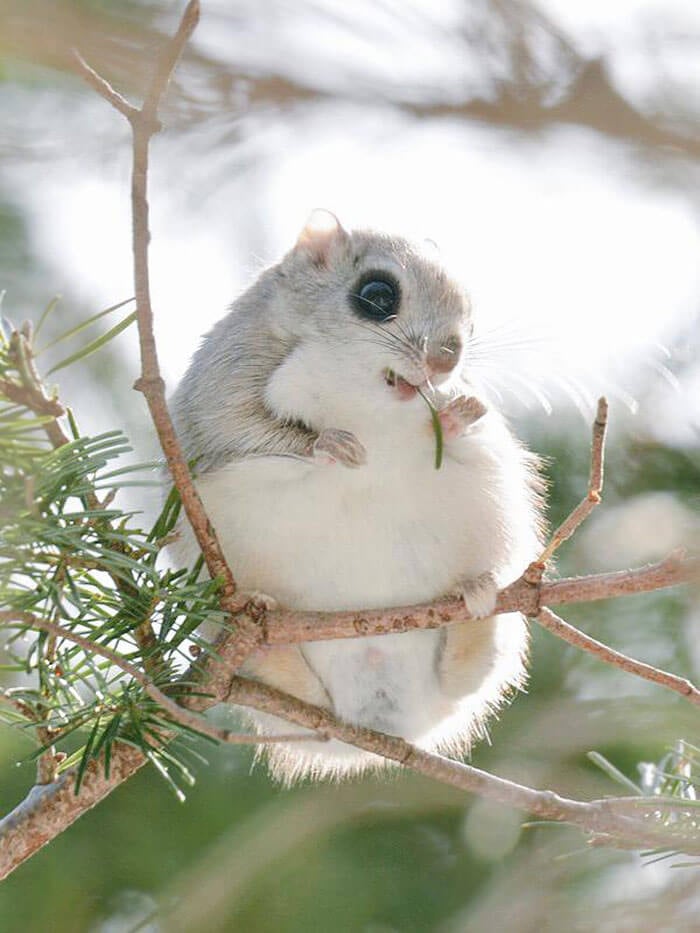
point(394, 532)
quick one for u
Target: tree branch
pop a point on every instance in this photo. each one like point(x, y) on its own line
point(289, 626)
point(104, 88)
point(600, 817)
point(176, 712)
point(549, 620)
point(31, 393)
point(51, 809)
point(595, 487)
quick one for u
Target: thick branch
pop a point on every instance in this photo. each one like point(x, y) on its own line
point(591, 102)
point(597, 817)
point(287, 626)
point(51, 810)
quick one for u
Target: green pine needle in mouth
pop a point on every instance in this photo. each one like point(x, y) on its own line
point(437, 430)
point(392, 379)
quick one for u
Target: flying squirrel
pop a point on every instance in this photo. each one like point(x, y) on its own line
point(305, 412)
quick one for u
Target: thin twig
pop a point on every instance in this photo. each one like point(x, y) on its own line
point(595, 487)
point(672, 571)
point(17, 394)
point(170, 56)
point(47, 765)
point(549, 620)
point(32, 394)
point(30, 391)
point(103, 88)
point(48, 761)
point(176, 712)
point(144, 125)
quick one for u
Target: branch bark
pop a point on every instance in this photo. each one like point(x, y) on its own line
point(595, 488)
point(599, 817)
point(288, 626)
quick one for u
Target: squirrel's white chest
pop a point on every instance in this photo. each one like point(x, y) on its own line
point(326, 537)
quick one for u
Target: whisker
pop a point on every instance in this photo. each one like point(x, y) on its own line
point(663, 350)
point(666, 374)
point(374, 304)
point(386, 339)
point(623, 396)
point(581, 397)
point(532, 389)
point(481, 341)
point(489, 386)
point(412, 339)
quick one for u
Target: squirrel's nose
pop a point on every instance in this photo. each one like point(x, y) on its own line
point(445, 357)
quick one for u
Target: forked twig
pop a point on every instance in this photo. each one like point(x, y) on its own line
point(104, 88)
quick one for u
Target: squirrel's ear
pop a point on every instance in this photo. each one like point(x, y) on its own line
point(322, 236)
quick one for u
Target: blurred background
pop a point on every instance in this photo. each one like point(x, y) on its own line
point(551, 152)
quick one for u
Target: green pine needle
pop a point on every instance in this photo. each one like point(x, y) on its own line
point(74, 331)
point(94, 345)
point(613, 772)
point(437, 430)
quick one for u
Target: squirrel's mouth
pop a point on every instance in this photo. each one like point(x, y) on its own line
point(404, 389)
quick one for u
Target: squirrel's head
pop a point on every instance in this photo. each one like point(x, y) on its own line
point(372, 309)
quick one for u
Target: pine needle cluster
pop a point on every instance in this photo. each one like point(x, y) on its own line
point(73, 560)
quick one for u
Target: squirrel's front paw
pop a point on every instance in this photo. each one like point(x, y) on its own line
point(459, 414)
point(334, 445)
point(479, 595)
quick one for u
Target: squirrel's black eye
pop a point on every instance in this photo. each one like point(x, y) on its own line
point(376, 297)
